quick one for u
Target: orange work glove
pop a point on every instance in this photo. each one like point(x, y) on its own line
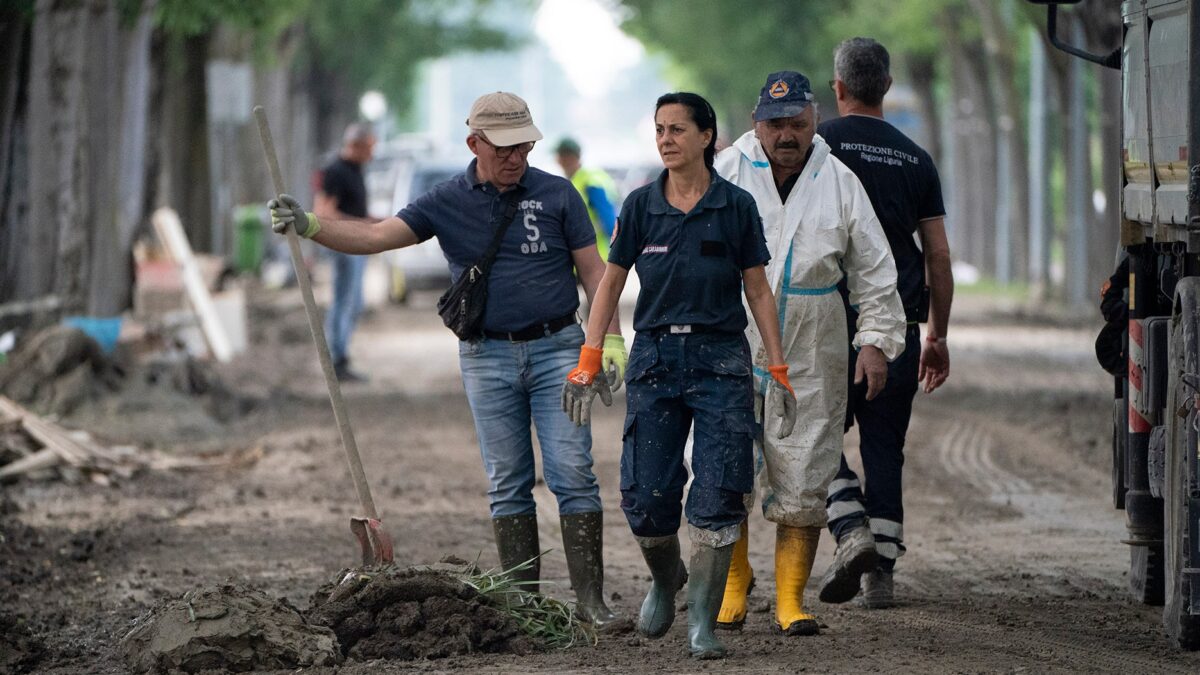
point(783, 399)
point(583, 384)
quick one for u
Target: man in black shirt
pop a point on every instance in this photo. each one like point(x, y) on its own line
point(903, 186)
point(343, 196)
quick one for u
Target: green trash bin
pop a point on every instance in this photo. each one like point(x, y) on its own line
point(250, 229)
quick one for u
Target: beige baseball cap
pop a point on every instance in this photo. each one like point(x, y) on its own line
point(504, 119)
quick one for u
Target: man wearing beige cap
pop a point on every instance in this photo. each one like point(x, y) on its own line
point(513, 372)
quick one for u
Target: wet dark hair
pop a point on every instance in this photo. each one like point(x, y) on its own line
point(701, 113)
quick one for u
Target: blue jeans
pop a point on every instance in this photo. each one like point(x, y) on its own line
point(347, 302)
point(510, 384)
point(675, 383)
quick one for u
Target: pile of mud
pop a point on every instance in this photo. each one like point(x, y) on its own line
point(170, 396)
point(228, 628)
point(415, 613)
point(58, 369)
point(166, 402)
point(390, 613)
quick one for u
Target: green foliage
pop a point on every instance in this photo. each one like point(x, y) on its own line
point(363, 44)
point(724, 49)
point(906, 27)
point(188, 18)
point(377, 44)
point(21, 8)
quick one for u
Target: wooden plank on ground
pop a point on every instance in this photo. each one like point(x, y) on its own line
point(48, 434)
point(22, 307)
point(171, 234)
point(42, 459)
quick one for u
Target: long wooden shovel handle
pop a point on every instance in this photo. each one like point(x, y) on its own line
point(310, 309)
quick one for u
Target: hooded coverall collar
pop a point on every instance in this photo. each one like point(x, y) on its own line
point(749, 145)
point(762, 185)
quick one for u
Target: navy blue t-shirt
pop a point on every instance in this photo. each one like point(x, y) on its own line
point(532, 280)
point(343, 180)
point(690, 265)
point(902, 183)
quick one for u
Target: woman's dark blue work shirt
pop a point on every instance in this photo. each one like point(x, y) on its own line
point(690, 265)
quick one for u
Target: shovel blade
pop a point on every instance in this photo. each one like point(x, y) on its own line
point(375, 542)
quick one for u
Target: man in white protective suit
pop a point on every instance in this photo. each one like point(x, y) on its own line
point(818, 224)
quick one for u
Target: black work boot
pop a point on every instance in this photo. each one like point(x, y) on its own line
point(583, 542)
point(669, 574)
point(706, 588)
point(517, 542)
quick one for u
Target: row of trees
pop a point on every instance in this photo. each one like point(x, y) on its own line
point(1022, 133)
point(111, 108)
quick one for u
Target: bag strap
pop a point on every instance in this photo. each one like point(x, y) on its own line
point(510, 210)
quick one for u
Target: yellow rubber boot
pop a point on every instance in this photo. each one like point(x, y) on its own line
point(737, 585)
point(795, 549)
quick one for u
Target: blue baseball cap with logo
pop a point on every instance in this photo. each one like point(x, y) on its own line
point(786, 94)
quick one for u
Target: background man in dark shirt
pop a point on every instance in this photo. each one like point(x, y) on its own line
point(343, 196)
point(904, 189)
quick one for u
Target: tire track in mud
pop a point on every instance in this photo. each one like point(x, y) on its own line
point(967, 451)
point(1080, 650)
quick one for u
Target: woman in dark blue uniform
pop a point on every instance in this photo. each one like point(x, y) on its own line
point(697, 242)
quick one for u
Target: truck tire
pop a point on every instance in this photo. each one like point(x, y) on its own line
point(1180, 624)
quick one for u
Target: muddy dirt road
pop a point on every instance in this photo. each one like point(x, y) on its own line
point(1014, 561)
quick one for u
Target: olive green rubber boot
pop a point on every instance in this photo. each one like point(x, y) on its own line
point(583, 542)
point(669, 574)
point(517, 543)
point(706, 588)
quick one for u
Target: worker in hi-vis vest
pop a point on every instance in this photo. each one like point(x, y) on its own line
point(597, 188)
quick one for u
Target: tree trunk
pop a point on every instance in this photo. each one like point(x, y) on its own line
point(923, 73)
point(974, 201)
point(1012, 227)
point(1080, 213)
point(14, 171)
point(1039, 174)
point(74, 117)
point(1103, 28)
point(112, 241)
point(182, 141)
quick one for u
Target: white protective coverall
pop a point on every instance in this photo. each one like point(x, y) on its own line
point(827, 225)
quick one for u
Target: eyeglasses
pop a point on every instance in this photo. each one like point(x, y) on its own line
point(831, 83)
point(506, 151)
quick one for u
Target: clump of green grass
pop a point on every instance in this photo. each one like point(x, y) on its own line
point(551, 621)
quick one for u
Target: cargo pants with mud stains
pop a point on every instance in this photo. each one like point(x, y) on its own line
point(675, 381)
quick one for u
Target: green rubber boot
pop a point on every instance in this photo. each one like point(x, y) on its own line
point(706, 588)
point(517, 543)
point(669, 574)
point(583, 542)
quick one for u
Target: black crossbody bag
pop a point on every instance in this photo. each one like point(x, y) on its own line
point(463, 304)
